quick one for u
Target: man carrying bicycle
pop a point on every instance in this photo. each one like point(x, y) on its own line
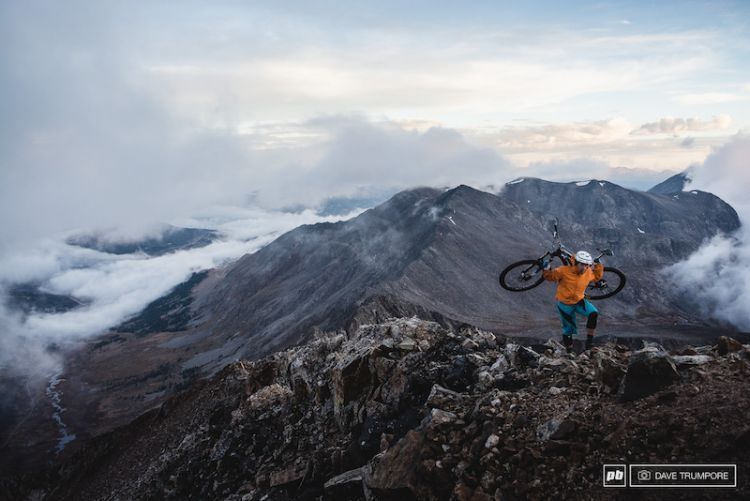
point(572, 281)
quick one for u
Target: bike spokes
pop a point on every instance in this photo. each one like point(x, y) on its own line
point(610, 284)
point(522, 276)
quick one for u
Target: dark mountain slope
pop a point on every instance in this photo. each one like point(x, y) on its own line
point(664, 227)
point(478, 233)
point(318, 275)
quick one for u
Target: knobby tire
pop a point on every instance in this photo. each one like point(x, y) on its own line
point(618, 283)
point(533, 269)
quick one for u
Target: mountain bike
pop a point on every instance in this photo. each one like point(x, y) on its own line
point(527, 274)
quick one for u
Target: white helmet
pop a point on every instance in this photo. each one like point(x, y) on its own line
point(584, 257)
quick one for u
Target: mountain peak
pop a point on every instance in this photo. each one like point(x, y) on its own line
point(674, 184)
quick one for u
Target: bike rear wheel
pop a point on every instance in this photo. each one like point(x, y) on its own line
point(610, 284)
point(522, 276)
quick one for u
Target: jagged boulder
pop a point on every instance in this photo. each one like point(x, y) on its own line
point(649, 370)
point(728, 345)
point(395, 474)
point(557, 428)
point(608, 371)
point(527, 357)
point(445, 399)
point(351, 379)
point(460, 376)
point(685, 361)
point(347, 485)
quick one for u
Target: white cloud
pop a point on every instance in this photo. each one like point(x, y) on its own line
point(725, 173)
point(362, 154)
point(116, 287)
point(671, 125)
point(614, 141)
point(84, 143)
point(472, 78)
point(717, 276)
point(552, 136)
point(420, 70)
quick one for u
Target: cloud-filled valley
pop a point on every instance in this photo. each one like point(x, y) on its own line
point(114, 287)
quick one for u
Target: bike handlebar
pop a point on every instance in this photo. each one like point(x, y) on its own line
point(561, 249)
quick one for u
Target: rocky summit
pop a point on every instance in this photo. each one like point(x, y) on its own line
point(410, 409)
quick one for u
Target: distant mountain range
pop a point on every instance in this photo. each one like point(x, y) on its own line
point(170, 240)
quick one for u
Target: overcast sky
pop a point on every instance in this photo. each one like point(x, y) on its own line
point(116, 113)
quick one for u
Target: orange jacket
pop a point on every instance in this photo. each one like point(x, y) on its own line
point(570, 285)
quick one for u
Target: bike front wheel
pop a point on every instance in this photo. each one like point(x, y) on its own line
point(522, 276)
point(610, 284)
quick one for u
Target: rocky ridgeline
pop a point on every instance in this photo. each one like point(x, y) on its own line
point(409, 410)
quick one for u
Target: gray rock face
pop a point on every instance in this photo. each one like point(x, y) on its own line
point(557, 428)
point(649, 371)
point(728, 345)
point(395, 476)
point(608, 371)
point(683, 361)
point(640, 227)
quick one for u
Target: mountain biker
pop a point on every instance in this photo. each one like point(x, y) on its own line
point(572, 281)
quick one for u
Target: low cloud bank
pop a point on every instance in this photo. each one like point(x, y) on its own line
point(115, 287)
point(717, 276)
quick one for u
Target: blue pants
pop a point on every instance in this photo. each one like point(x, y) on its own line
point(568, 315)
